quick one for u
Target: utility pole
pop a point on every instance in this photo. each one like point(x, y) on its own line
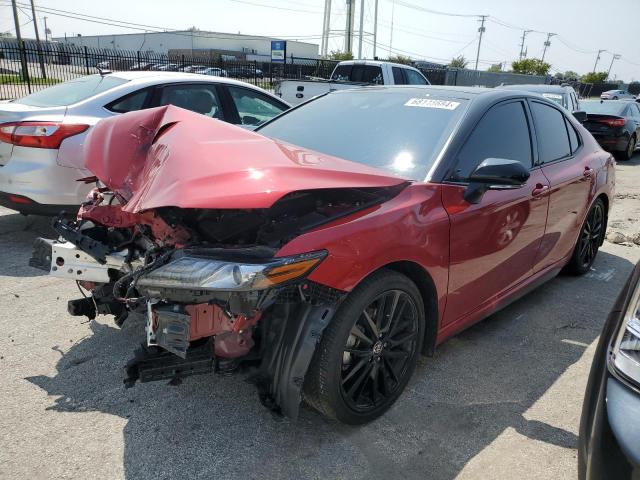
point(615, 57)
point(46, 30)
point(326, 28)
point(524, 35)
point(547, 44)
point(35, 27)
point(348, 33)
point(375, 28)
point(393, 11)
point(481, 30)
point(361, 27)
point(597, 59)
point(23, 57)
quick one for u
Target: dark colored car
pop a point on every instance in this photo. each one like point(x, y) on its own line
point(335, 244)
point(563, 95)
point(244, 71)
point(615, 124)
point(609, 442)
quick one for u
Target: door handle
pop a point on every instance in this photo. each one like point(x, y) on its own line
point(540, 190)
point(588, 172)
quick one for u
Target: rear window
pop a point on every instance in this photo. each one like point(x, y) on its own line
point(604, 108)
point(397, 130)
point(71, 92)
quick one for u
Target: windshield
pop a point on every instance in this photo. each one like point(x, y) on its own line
point(71, 92)
point(605, 108)
point(555, 97)
point(398, 130)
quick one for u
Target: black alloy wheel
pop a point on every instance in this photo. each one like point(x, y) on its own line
point(369, 350)
point(377, 352)
point(590, 239)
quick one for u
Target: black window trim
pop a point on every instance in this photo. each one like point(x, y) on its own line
point(567, 121)
point(146, 104)
point(447, 180)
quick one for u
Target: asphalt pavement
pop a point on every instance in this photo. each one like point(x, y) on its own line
point(501, 400)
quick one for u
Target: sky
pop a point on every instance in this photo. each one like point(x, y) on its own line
point(582, 27)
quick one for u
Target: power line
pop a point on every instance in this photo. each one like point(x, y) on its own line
point(276, 8)
point(153, 29)
point(435, 12)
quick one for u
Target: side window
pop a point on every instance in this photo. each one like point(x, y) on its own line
point(254, 107)
point(553, 140)
point(503, 132)
point(635, 111)
point(200, 98)
point(398, 77)
point(342, 73)
point(573, 136)
point(414, 78)
point(367, 74)
point(131, 102)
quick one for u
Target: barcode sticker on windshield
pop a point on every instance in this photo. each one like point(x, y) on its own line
point(432, 103)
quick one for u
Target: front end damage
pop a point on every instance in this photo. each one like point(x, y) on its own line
point(209, 285)
point(185, 234)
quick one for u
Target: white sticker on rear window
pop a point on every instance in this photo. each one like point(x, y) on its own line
point(552, 95)
point(432, 103)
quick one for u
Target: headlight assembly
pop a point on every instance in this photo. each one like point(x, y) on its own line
point(625, 354)
point(201, 273)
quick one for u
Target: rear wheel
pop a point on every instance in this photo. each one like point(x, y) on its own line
point(369, 350)
point(631, 147)
point(589, 240)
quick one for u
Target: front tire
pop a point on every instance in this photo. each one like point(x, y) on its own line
point(369, 350)
point(589, 240)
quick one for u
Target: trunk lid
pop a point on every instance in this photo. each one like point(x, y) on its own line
point(168, 156)
point(601, 123)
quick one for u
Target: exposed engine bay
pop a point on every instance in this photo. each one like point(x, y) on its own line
point(212, 291)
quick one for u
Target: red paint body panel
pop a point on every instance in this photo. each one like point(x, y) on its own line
point(493, 244)
point(413, 227)
point(168, 156)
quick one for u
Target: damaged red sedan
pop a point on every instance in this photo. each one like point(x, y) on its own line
point(326, 251)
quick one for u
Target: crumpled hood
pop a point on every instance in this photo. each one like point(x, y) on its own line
point(168, 156)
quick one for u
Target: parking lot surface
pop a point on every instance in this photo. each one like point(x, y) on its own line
point(501, 400)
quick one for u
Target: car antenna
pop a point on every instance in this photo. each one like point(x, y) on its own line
point(103, 71)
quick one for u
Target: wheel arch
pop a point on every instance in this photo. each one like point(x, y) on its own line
point(419, 275)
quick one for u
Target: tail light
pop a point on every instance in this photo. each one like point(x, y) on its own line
point(38, 134)
point(613, 122)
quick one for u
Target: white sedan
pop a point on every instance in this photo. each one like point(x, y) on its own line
point(41, 135)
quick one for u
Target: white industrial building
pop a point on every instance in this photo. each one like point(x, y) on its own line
point(249, 47)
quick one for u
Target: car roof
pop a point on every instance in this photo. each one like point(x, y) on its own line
point(537, 87)
point(467, 93)
point(376, 63)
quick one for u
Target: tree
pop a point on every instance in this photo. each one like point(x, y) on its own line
point(531, 66)
point(570, 75)
point(458, 62)
point(401, 59)
point(497, 68)
point(594, 77)
point(339, 55)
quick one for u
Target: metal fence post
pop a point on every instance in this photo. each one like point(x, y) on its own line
point(86, 59)
point(138, 56)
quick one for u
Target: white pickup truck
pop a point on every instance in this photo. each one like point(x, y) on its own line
point(350, 74)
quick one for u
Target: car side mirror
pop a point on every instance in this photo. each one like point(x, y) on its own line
point(495, 174)
point(580, 116)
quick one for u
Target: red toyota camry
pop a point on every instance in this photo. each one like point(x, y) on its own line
point(326, 251)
